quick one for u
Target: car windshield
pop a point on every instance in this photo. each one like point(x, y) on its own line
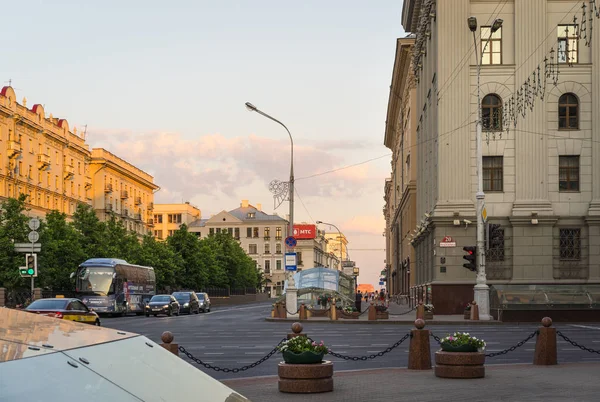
point(95, 280)
point(48, 305)
point(165, 299)
point(182, 296)
point(201, 296)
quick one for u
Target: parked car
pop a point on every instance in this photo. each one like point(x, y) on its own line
point(162, 304)
point(204, 302)
point(188, 301)
point(66, 309)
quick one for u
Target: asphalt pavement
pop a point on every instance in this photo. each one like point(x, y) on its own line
point(235, 336)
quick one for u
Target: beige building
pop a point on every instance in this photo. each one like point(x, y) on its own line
point(541, 177)
point(40, 156)
point(260, 235)
point(400, 208)
point(311, 253)
point(122, 190)
point(335, 242)
point(167, 218)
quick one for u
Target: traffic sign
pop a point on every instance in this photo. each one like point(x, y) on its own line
point(34, 224)
point(33, 236)
point(290, 262)
point(484, 214)
point(447, 241)
point(291, 241)
point(28, 247)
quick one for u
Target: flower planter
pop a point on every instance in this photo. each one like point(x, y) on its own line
point(349, 316)
point(302, 358)
point(319, 313)
point(428, 315)
point(305, 378)
point(382, 315)
point(459, 365)
point(458, 349)
point(467, 314)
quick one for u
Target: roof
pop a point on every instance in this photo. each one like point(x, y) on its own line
point(242, 214)
point(198, 223)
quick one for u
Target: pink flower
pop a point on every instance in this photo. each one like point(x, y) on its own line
point(450, 338)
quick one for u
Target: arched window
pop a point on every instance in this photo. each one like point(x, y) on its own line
point(491, 112)
point(568, 112)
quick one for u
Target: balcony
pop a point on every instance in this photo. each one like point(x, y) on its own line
point(124, 213)
point(124, 195)
point(278, 252)
point(151, 223)
point(277, 237)
point(108, 188)
point(88, 182)
point(108, 207)
point(137, 217)
point(150, 206)
point(138, 200)
point(14, 149)
point(68, 171)
point(267, 238)
point(43, 161)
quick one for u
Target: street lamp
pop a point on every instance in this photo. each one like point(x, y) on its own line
point(481, 290)
point(252, 108)
point(340, 234)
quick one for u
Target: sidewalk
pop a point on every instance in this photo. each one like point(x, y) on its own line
point(524, 382)
point(398, 314)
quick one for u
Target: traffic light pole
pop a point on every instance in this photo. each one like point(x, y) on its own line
point(32, 277)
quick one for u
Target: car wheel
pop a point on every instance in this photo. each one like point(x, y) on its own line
point(177, 313)
point(97, 323)
point(169, 312)
point(147, 315)
point(208, 310)
point(155, 315)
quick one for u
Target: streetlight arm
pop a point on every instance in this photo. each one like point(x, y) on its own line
point(340, 234)
point(288, 131)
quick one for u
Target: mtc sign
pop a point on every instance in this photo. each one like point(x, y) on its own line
point(305, 232)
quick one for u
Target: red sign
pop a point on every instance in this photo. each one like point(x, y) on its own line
point(448, 242)
point(302, 232)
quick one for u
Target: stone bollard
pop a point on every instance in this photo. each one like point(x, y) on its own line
point(273, 311)
point(333, 311)
point(302, 312)
point(2, 296)
point(419, 354)
point(420, 311)
point(167, 338)
point(308, 313)
point(372, 312)
point(296, 331)
point(474, 311)
point(282, 312)
point(545, 344)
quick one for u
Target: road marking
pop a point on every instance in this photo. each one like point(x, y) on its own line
point(584, 326)
point(379, 344)
point(213, 353)
point(570, 350)
point(229, 347)
point(253, 353)
point(338, 346)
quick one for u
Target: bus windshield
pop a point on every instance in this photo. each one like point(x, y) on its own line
point(96, 280)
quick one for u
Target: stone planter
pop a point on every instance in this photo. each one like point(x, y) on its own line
point(467, 314)
point(382, 315)
point(428, 315)
point(458, 349)
point(349, 316)
point(459, 365)
point(319, 313)
point(302, 358)
point(305, 378)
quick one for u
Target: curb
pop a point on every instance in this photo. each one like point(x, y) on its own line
point(389, 322)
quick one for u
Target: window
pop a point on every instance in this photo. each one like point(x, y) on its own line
point(299, 258)
point(495, 251)
point(158, 218)
point(278, 233)
point(493, 50)
point(248, 232)
point(174, 218)
point(158, 234)
point(278, 264)
point(278, 248)
point(230, 231)
point(211, 231)
point(254, 232)
point(267, 248)
point(491, 113)
point(29, 172)
point(252, 249)
point(218, 230)
point(570, 244)
point(567, 44)
point(20, 168)
point(30, 146)
point(267, 266)
point(492, 173)
point(237, 233)
point(170, 232)
point(267, 233)
point(251, 215)
point(568, 112)
point(568, 173)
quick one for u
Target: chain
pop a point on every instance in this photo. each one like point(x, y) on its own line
point(229, 370)
point(290, 313)
point(437, 338)
point(355, 358)
point(406, 312)
point(512, 348)
point(576, 344)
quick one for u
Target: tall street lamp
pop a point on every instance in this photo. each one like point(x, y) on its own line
point(340, 235)
point(481, 290)
point(252, 108)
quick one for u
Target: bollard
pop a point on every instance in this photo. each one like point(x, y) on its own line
point(2, 296)
point(273, 311)
point(372, 312)
point(281, 313)
point(333, 310)
point(545, 344)
point(419, 354)
point(167, 338)
point(474, 311)
point(308, 313)
point(302, 312)
point(420, 311)
point(296, 331)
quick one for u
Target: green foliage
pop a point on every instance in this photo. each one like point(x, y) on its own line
point(301, 344)
point(181, 262)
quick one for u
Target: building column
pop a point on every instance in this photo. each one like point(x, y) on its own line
point(595, 48)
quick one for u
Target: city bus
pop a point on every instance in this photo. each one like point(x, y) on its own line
point(113, 286)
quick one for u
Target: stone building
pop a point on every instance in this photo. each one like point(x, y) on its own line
point(541, 177)
point(167, 218)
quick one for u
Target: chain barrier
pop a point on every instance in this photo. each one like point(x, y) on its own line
point(502, 352)
point(373, 356)
point(231, 370)
point(406, 312)
point(566, 338)
point(437, 338)
point(290, 313)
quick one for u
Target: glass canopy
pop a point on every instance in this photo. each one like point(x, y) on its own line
point(319, 281)
point(545, 297)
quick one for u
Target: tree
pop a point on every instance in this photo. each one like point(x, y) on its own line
point(13, 229)
point(117, 242)
point(168, 265)
point(196, 261)
point(91, 230)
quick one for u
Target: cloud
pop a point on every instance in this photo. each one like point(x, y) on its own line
point(372, 225)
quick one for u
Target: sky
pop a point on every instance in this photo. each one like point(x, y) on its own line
point(163, 86)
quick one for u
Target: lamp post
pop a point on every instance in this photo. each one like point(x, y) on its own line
point(253, 108)
point(340, 235)
point(481, 290)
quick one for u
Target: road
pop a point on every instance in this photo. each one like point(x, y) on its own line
point(236, 336)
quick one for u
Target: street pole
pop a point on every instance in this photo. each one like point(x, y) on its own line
point(481, 289)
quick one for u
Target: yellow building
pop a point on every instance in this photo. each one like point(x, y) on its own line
point(335, 242)
point(122, 190)
point(169, 217)
point(41, 157)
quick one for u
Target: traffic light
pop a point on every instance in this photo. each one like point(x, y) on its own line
point(30, 268)
point(471, 258)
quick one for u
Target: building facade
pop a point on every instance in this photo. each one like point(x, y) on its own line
point(41, 157)
point(120, 189)
point(541, 177)
point(167, 218)
point(400, 190)
point(337, 245)
point(313, 251)
point(260, 235)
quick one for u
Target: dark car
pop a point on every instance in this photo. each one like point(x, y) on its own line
point(188, 301)
point(67, 309)
point(162, 304)
point(204, 301)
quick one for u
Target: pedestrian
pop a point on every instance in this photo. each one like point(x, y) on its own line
point(358, 301)
point(366, 297)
